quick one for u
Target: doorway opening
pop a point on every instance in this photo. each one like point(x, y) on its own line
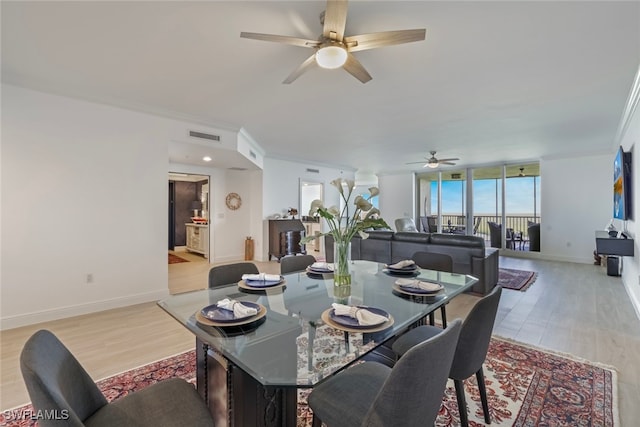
point(188, 218)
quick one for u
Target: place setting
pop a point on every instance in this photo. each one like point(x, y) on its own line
point(417, 287)
point(405, 267)
point(231, 313)
point(350, 318)
point(320, 270)
point(261, 281)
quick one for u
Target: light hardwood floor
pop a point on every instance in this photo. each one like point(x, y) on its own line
point(571, 308)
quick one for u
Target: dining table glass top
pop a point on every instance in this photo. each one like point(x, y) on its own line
point(292, 345)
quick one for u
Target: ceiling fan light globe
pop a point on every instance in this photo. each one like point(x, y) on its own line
point(432, 165)
point(331, 57)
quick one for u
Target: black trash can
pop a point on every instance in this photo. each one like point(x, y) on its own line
point(613, 266)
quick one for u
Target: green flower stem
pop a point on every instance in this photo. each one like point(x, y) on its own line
point(341, 274)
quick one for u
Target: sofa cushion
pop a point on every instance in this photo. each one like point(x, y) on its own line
point(405, 236)
point(457, 240)
point(380, 235)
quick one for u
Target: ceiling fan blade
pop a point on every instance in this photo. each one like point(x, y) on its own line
point(301, 69)
point(448, 160)
point(386, 38)
point(415, 163)
point(355, 68)
point(335, 19)
point(281, 39)
point(446, 163)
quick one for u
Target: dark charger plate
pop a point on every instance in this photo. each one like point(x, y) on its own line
point(221, 315)
point(353, 322)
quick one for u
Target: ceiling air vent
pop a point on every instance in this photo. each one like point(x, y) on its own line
point(235, 168)
point(252, 154)
point(203, 135)
point(313, 170)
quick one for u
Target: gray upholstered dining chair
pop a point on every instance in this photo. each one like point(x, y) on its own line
point(294, 263)
point(60, 386)
point(374, 395)
point(405, 224)
point(471, 350)
point(438, 262)
point(227, 274)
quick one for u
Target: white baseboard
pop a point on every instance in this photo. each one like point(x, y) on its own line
point(633, 297)
point(544, 257)
point(228, 258)
point(16, 321)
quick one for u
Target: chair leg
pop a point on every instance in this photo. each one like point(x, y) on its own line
point(443, 314)
point(483, 395)
point(432, 319)
point(462, 404)
point(316, 421)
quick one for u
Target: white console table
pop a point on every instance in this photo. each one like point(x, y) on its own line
point(198, 238)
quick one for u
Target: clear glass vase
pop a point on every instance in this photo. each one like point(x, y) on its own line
point(341, 264)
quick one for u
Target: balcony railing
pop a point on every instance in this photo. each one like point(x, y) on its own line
point(518, 223)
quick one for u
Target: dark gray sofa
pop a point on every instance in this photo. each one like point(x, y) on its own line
point(469, 254)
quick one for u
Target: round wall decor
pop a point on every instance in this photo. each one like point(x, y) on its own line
point(233, 201)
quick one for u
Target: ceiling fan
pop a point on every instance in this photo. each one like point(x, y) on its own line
point(333, 49)
point(433, 162)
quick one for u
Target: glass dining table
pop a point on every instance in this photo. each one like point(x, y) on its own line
point(249, 374)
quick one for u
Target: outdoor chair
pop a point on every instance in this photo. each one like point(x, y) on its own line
point(374, 395)
point(533, 230)
point(61, 388)
point(429, 224)
point(230, 273)
point(495, 234)
point(293, 263)
point(477, 225)
point(471, 350)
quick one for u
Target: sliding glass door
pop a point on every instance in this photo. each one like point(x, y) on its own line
point(479, 201)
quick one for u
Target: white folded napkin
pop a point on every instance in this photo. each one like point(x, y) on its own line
point(364, 316)
point(418, 284)
point(402, 264)
point(323, 266)
point(262, 277)
point(239, 310)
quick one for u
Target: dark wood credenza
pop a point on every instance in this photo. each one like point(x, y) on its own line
point(284, 237)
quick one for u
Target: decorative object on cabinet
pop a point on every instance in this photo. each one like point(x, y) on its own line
point(233, 201)
point(196, 205)
point(285, 236)
point(293, 212)
point(198, 238)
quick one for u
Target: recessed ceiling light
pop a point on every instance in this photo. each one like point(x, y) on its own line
point(206, 158)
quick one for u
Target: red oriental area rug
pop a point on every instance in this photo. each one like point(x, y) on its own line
point(518, 280)
point(175, 259)
point(526, 387)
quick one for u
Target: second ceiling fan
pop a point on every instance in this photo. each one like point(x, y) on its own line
point(333, 49)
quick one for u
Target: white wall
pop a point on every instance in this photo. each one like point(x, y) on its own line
point(576, 199)
point(84, 191)
point(629, 140)
point(281, 189)
point(397, 197)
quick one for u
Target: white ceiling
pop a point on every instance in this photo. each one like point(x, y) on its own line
point(493, 82)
